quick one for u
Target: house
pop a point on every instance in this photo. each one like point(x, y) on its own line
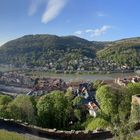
point(88, 101)
point(92, 108)
point(125, 81)
point(136, 99)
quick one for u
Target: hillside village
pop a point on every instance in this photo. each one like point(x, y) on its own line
point(69, 70)
point(71, 54)
point(84, 64)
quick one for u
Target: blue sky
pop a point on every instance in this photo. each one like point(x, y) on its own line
point(90, 19)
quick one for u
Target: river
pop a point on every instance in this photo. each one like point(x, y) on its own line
point(84, 77)
point(73, 77)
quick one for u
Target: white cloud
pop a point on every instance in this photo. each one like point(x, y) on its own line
point(100, 31)
point(89, 30)
point(100, 14)
point(94, 32)
point(78, 32)
point(53, 9)
point(34, 6)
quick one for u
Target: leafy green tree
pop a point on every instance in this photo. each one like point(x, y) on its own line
point(97, 84)
point(135, 114)
point(107, 98)
point(4, 101)
point(69, 94)
point(115, 106)
point(78, 101)
point(54, 110)
point(78, 114)
point(22, 108)
point(134, 88)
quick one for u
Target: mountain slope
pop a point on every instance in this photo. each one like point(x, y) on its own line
point(44, 49)
point(122, 52)
point(70, 52)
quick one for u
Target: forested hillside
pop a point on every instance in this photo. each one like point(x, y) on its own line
point(71, 53)
point(122, 52)
point(40, 50)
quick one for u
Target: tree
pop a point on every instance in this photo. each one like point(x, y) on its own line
point(69, 94)
point(4, 101)
point(78, 101)
point(134, 88)
point(97, 84)
point(115, 106)
point(135, 114)
point(107, 98)
point(23, 108)
point(54, 110)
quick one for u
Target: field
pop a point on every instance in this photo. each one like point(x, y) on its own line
point(6, 135)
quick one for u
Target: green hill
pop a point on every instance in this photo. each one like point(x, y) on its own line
point(44, 49)
point(122, 52)
point(70, 52)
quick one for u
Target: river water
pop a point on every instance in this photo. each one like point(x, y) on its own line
point(75, 77)
point(87, 77)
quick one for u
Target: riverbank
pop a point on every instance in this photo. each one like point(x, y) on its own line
point(13, 89)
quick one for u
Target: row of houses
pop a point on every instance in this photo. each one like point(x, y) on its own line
point(16, 79)
point(125, 81)
point(38, 86)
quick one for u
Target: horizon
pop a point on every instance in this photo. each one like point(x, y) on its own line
point(91, 20)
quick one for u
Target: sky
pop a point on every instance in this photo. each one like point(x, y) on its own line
point(99, 20)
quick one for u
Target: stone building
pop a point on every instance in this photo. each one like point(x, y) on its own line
point(136, 99)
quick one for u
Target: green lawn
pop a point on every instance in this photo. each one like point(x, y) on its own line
point(137, 138)
point(5, 135)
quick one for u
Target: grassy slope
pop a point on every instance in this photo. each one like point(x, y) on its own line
point(5, 135)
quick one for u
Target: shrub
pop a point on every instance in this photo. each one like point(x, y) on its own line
point(97, 123)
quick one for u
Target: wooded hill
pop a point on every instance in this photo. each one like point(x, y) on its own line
point(42, 49)
point(47, 50)
point(122, 52)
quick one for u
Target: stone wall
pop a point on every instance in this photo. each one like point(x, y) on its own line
point(53, 133)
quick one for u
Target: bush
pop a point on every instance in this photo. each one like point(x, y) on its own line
point(97, 84)
point(96, 123)
point(134, 88)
